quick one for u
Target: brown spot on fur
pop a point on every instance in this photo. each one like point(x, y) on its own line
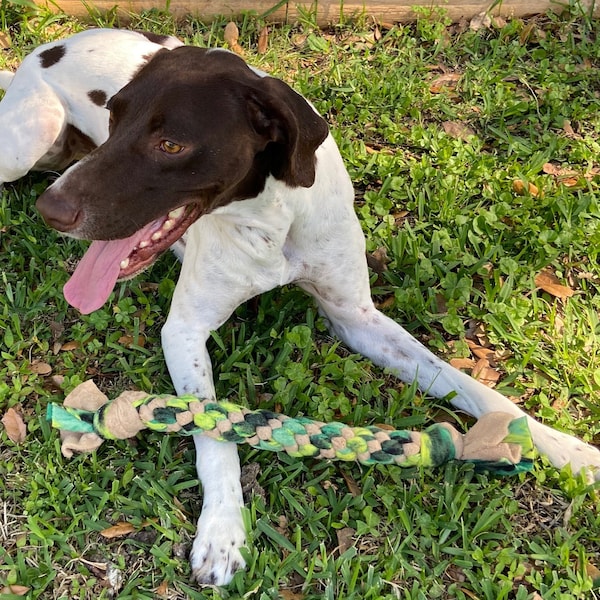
point(52, 56)
point(157, 38)
point(98, 97)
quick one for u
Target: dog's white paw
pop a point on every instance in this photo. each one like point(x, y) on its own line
point(215, 555)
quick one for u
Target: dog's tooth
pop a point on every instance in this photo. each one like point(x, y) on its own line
point(144, 244)
point(124, 263)
point(177, 213)
point(156, 236)
point(168, 224)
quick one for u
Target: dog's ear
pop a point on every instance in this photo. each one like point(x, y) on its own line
point(285, 118)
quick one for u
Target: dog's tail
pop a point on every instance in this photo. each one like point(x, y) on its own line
point(5, 78)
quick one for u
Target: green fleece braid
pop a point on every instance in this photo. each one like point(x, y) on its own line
point(298, 437)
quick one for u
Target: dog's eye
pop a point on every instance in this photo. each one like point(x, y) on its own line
point(170, 147)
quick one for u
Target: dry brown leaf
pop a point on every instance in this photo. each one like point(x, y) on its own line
point(385, 426)
point(462, 363)
point(480, 21)
point(445, 81)
point(40, 368)
point(592, 571)
point(378, 259)
point(521, 188)
point(567, 177)
point(263, 40)
point(162, 589)
point(5, 41)
point(345, 539)
point(387, 302)
point(549, 282)
point(231, 33)
point(129, 340)
point(14, 426)
point(353, 487)
point(15, 590)
point(484, 373)
point(121, 529)
point(231, 36)
point(457, 130)
point(290, 595)
point(568, 128)
point(481, 352)
point(68, 346)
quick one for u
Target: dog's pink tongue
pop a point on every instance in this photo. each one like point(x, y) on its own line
point(96, 274)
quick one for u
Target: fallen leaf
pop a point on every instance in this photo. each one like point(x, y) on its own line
point(231, 36)
point(593, 573)
point(345, 539)
point(387, 302)
point(68, 346)
point(353, 487)
point(290, 595)
point(484, 373)
point(549, 282)
point(481, 352)
point(15, 590)
point(263, 40)
point(462, 363)
point(521, 188)
point(40, 368)
point(162, 589)
point(5, 41)
point(480, 21)
point(231, 33)
point(128, 341)
point(457, 130)
point(14, 426)
point(568, 128)
point(445, 81)
point(121, 529)
point(378, 259)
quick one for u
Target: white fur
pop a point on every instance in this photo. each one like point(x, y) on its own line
point(40, 102)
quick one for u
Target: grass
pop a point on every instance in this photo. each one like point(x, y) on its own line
point(436, 122)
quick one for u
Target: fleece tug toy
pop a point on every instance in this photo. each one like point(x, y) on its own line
point(497, 442)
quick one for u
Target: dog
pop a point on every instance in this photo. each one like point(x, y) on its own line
point(201, 143)
point(53, 111)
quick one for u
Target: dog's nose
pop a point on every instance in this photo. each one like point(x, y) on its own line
point(57, 211)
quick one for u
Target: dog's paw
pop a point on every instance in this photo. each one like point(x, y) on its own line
point(215, 555)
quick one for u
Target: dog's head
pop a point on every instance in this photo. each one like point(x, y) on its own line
point(194, 130)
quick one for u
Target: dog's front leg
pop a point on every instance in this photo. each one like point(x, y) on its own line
point(215, 553)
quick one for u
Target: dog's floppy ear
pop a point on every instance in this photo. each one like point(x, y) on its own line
point(287, 119)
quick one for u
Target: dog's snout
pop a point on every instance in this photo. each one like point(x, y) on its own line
point(58, 212)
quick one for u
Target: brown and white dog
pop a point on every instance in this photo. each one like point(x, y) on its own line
point(54, 108)
point(201, 143)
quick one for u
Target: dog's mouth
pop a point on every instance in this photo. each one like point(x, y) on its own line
point(107, 262)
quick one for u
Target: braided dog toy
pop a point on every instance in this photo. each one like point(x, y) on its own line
point(497, 442)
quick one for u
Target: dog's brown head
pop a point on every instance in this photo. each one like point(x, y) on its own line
point(194, 130)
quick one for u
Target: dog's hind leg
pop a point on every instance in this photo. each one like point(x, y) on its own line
point(31, 123)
